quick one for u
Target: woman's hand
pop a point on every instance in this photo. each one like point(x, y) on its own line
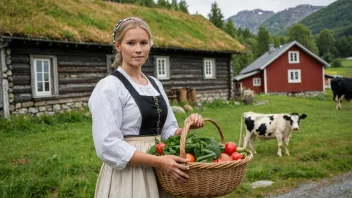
point(197, 119)
point(174, 166)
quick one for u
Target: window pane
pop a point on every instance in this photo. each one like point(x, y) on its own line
point(47, 86)
point(39, 66)
point(296, 75)
point(291, 76)
point(46, 66)
point(39, 76)
point(46, 77)
point(40, 86)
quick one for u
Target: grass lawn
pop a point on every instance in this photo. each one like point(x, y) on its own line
point(345, 70)
point(55, 157)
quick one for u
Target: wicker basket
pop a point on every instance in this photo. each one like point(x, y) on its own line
point(205, 179)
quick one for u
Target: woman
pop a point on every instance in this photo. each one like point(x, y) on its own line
point(129, 110)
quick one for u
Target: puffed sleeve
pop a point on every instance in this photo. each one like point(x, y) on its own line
point(106, 104)
point(171, 124)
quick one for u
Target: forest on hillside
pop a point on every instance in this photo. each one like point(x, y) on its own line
point(337, 17)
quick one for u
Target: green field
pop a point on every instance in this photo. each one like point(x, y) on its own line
point(345, 70)
point(55, 156)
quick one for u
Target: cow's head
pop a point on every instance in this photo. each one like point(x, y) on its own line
point(294, 119)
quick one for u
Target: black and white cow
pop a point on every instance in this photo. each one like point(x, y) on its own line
point(270, 126)
point(341, 88)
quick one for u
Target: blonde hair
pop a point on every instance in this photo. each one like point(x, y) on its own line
point(120, 30)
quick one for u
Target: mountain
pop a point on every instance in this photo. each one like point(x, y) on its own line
point(282, 21)
point(336, 17)
point(250, 19)
point(275, 23)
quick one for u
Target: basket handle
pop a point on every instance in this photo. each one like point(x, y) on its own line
point(185, 131)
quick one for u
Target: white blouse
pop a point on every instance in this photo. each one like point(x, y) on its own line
point(115, 115)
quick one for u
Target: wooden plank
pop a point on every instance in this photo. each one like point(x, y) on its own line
point(84, 58)
point(190, 83)
point(20, 68)
point(21, 79)
point(20, 58)
point(81, 64)
point(23, 97)
point(82, 69)
point(78, 80)
point(75, 89)
point(82, 75)
point(28, 97)
point(22, 89)
point(64, 86)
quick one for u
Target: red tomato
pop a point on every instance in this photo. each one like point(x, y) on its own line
point(237, 156)
point(218, 160)
point(225, 157)
point(160, 148)
point(230, 148)
point(190, 157)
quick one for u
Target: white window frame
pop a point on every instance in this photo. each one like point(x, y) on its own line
point(52, 76)
point(296, 73)
point(257, 82)
point(209, 68)
point(162, 72)
point(293, 57)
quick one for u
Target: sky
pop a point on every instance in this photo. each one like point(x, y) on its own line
point(232, 7)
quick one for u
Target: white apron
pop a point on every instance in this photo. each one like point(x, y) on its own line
point(133, 181)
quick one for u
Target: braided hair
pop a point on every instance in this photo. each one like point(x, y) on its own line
point(121, 28)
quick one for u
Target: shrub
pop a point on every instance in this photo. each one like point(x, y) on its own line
point(337, 62)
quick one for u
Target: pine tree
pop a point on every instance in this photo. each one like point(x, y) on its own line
point(230, 28)
point(174, 5)
point(215, 16)
point(182, 6)
point(263, 40)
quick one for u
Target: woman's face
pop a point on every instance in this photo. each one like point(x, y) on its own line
point(134, 47)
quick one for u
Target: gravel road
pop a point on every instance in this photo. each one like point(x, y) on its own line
point(336, 187)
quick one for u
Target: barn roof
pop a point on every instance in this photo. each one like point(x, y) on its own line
point(87, 21)
point(263, 61)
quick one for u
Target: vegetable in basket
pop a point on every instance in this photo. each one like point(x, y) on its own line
point(203, 149)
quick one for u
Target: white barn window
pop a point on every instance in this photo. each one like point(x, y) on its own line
point(293, 57)
point(44, 79)
point(209, 69)
point(257, 82)
point(294, 75)
point(162, 67)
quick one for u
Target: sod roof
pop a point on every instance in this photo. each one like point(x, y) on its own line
point(93, 21)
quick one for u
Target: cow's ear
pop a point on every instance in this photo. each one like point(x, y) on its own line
point(302, 116)
point(288, 118)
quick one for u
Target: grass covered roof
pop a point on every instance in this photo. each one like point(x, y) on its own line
point(93, 21)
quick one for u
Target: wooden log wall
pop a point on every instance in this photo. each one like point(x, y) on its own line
point(79, 68)
point(186, 71)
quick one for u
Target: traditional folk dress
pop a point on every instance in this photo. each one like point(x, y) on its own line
point(127, 117)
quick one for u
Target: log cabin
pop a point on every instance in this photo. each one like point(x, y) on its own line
point(51, 62)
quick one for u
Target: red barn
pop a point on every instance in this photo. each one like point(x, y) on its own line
point(290, 68)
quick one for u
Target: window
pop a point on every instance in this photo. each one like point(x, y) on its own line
point(256, 82)
point(44, 76)
point(294, 76)
point(209, 68)
point(162, 67)
point(293, 57)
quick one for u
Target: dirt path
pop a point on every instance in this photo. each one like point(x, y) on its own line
point(336, 187)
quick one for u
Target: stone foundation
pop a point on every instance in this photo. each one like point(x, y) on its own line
point(298, 94)
point(210, 97)
point(39, 108)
